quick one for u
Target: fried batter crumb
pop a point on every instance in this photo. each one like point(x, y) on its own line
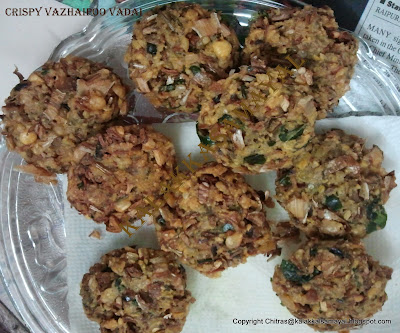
point(331, 280)
point(256, 121)
point(337, 187)
point(136, 291)
point(118, 173)
point(309, 39)
point(213, 220)
point(177, 52)
point(59, 106)
point(95, 234)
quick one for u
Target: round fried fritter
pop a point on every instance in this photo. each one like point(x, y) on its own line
point(257, 122)
point(305, 37)
point(119, 173)
point(58, 107)
point(337, 187)
point(334, 280)
point(136, 291)
point(213, 220)
point(177, 51)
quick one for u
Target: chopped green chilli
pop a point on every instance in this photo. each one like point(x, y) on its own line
point(179, 81)
point(255, 159)
point(168, 87)
point(285, 181)
point(336, 252)
point(21, 85)
point(292, 273)
point(228, 119)
point(195, 69)
point(151, 48)
point(333, 203)
point(377, 216)
point(243, 90)
point(313, 251)
point(204, 136)
point(217, 99)
point(203, 261)
point(286, 135)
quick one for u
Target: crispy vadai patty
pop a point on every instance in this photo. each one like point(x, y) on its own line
point(312, 39)
point(177, 51)
point(213, 220)
point(337, 187)
point(331, 280)
point(136, 291)
point(58, 107)
point(119, 173)
point(254, 122)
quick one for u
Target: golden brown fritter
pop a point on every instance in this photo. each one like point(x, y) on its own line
point(254, 122)
point(58, 107)
point(306, 37)
point(213, 220)
point(118, 173)
point(177, 51)
point(334, 280)
point(136, 291)
point(337, 187)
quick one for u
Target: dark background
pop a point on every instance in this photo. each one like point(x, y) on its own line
point(347, 12)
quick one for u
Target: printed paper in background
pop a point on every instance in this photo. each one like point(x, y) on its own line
point(380, 27)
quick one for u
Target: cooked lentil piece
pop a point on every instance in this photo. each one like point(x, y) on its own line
point(311, 38)
point(136, 291)
point(254, 122)
point(337, 187)
point(119, 172)
point(331, 280)
point(213, 220)
point(177, 51)
point(58, 107)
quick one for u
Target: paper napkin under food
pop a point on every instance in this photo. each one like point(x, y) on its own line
point(244, 292)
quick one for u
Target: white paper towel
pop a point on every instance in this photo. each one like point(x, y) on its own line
point(243, 292)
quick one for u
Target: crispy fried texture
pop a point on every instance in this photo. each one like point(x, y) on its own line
point(177, 51)
point(58, 107)
point(311, 37)
point(337, 187)
point(254, 122)
point(213, 220)
point(136, 291)
point(331, 280)
point(118, 170)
